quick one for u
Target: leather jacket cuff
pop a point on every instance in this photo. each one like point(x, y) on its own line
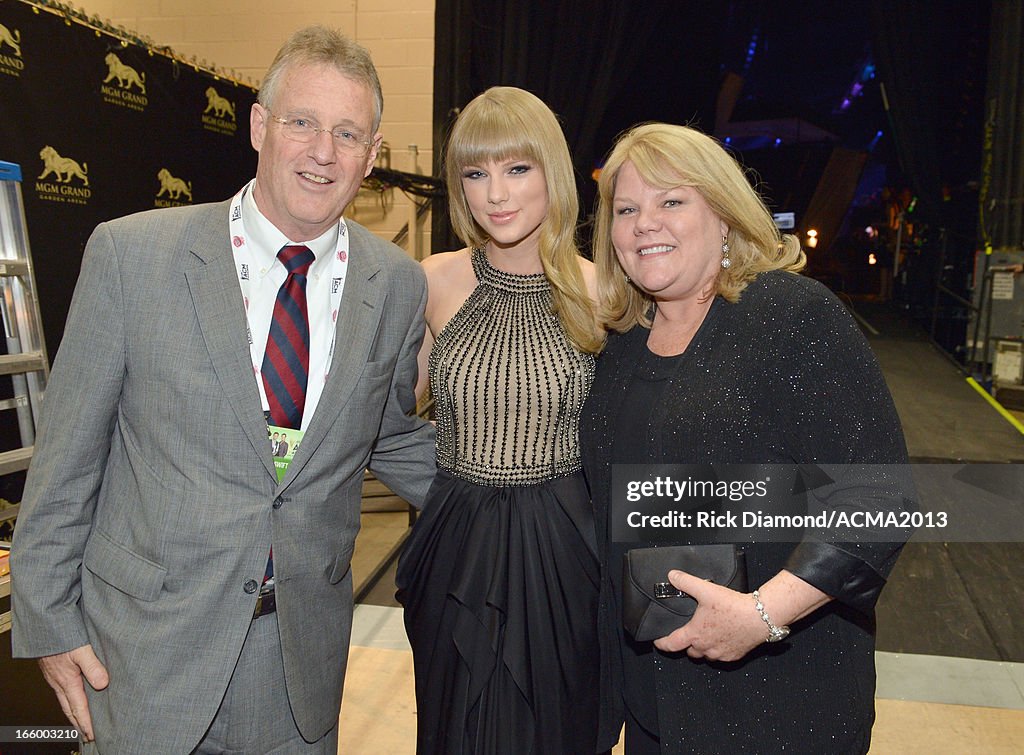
point(837, 573)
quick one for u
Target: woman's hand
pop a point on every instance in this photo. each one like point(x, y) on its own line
point(726, 625)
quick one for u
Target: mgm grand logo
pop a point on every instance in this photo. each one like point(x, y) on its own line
point(67, 173)
point(119, 88)
point(172, 190)
point(219, 115)
point(10, 51)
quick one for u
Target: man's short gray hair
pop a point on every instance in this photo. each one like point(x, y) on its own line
point(318, 45)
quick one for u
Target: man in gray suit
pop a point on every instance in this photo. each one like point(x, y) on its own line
point(140, 552)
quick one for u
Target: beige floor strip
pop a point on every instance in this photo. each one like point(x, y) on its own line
point(907, 728)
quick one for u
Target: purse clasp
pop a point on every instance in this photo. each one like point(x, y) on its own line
point(663, 590)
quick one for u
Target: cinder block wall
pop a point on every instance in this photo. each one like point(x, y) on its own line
point(243, 35)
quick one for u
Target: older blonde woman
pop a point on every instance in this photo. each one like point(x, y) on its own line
point(721, 353)
point(499, 579)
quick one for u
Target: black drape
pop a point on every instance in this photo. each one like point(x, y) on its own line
point(920, 48)
point(904, 38)
point(1002, 179)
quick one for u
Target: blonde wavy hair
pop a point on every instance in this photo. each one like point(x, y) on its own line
point(506, 123)
point(667, 156)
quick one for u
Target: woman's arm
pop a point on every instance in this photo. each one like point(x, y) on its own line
point(727, 625)
point(837, 414)
point(450, 281)
point(840, 415)
point(422, 360)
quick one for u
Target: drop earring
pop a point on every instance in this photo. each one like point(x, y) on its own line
point(726, 262)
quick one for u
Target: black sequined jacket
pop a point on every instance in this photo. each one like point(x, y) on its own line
point(782, 376)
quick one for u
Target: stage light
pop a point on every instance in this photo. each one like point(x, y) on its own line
point(812, 238)
point(871, 259)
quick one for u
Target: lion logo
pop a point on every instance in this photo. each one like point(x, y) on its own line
point(173, 187)
point(62, 167)
point(125, 75)
point(219, 105)
point(11, 39)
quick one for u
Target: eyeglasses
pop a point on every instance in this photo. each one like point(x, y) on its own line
point(304, 130)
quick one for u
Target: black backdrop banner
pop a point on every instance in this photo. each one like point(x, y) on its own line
point(104, 127)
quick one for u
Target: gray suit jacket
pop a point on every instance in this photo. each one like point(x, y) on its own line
point(152, 500)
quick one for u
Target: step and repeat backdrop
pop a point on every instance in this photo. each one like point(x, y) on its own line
point(104, 127)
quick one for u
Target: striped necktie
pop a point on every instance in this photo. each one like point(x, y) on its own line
point(286, 360)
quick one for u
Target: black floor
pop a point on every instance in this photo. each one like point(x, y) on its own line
point(953, 599)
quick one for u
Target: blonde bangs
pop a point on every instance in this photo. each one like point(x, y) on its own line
point(492, 133)
point(474, 148)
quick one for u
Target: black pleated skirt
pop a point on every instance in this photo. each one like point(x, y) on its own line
point(500, 587)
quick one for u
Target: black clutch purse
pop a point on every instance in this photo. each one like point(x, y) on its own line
point(651, 606)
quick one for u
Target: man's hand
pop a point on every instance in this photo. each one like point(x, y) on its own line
point(64, 673)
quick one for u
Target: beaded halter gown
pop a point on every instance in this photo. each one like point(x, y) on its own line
point(499, 578)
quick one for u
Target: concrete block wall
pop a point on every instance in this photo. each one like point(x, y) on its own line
point(243, 35)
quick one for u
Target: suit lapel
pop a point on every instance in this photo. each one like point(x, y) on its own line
point(221, 314)
point(362, 304)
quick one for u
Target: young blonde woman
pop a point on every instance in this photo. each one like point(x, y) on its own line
point(500, 578)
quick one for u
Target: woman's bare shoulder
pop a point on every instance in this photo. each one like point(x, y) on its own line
point(450, 281)
point(447, 264)
point(589, 271)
